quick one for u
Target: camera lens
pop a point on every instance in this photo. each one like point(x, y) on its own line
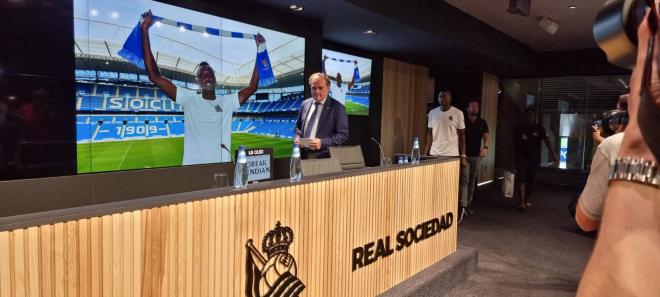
point(615, 30)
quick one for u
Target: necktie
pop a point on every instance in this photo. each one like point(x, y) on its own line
point(312, 120)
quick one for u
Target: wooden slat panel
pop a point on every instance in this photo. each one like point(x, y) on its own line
point(46, 270)
point(96, 257)
point(5, 268)
point(84, 253)
point(106, 245)
point(19, 288)
point(403, 106)
point(34, 284)
point(490, 90)
point(198, 248)
point(137, 253)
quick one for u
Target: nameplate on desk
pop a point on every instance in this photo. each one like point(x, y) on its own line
point(384, 247)
point(260, 161)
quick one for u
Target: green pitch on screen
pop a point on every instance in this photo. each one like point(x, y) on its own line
point(353, 108)
point(162, 152)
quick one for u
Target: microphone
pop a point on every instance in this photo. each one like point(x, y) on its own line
point(382, 155)
point(222, 145)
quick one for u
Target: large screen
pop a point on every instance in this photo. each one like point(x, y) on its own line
point(125, 121)
point(350, 78)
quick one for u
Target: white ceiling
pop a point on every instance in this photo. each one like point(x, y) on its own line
point(574, 24)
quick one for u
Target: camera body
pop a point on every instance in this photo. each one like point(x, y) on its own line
point(615, 30)
point(610, 121)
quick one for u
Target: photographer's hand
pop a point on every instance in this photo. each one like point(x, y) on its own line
point(626, 258)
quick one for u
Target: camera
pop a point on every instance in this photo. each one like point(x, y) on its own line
point(615, 30)
point(610, 121)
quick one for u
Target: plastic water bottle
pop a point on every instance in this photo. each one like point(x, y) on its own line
point(405, 159)
point(241, 169)
point(415, 151)
point(400, 160)
point(295, 169)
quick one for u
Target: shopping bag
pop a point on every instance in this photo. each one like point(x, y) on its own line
point(508, 185)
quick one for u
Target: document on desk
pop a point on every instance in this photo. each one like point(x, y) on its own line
point(304, 142)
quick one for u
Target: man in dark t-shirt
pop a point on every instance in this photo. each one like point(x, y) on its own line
point(476, 130)
point(527, 139)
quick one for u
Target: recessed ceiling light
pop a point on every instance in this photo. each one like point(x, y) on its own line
point(572, 7)
point(295, 7)
point(370, 32)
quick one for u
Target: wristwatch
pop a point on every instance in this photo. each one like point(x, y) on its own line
point(636, 170)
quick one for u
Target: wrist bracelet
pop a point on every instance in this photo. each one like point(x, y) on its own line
point(636, 170)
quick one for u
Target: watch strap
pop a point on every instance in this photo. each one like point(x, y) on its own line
point(636, 170)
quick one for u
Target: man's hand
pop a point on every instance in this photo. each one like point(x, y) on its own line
point(596, 135)
point(315, 144)
point(296, 140)
point(620, 265)
point(147, 20)
point(464, 161)
point(633, 144)
point(483, 153)
point(259, 39)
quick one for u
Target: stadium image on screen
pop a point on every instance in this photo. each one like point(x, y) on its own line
point(350, 78)
point(125, 122)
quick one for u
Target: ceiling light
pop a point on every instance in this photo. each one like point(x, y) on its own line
point(115, 15)
point(572, 7)
point(295, 7)
point(370, 32)
point(549, 25)
point(94, 12)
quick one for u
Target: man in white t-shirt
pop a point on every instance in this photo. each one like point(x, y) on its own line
point(589, 209)
point(339, 89)
point(446, 138)
point(207, 116)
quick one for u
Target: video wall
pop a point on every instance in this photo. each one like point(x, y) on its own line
point(350, 80)
point(125, 121)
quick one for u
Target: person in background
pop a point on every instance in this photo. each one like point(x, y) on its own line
point(339, 89)
point(207, 116)
point(446, 138)
point(527, 139)
point(589, 208)
point(600, 133)
point(476, 130)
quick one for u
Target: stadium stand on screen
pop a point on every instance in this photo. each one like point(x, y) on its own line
point(124, 122)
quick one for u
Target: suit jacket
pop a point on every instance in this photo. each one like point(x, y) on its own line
point(332, 129)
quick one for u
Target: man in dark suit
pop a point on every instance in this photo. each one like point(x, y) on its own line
point(321, 119)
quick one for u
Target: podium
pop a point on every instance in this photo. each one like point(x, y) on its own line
point(350, 233)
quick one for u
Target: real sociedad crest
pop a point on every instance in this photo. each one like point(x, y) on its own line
point(264, 62)
point(276, 274)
